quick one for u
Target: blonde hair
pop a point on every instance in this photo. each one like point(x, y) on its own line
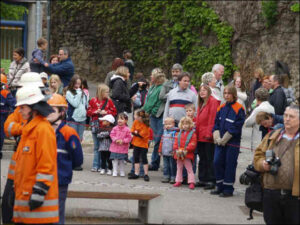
point(260, 73)
point(169, 119)
point(158, 76)
point(57, 79)
point(122, 71)
point(100, 90)
point(186, 120)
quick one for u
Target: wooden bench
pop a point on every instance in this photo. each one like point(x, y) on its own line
point(149, 207)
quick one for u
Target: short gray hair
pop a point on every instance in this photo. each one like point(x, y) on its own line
point(66, 51)
point(262, 94)
point(207, 78)
point(177, 66)
point(293, 107)
point(216, 67)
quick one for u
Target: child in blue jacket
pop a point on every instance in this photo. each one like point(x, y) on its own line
point(227, 134)
point(69, 151)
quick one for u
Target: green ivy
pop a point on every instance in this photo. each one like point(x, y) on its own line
point(154, 30)
point(295, 7)
point(12, 12)
point(269, 12)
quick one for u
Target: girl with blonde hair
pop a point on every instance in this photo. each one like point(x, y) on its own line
point(55, 85)
point(99, 106)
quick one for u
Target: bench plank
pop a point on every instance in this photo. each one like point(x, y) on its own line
point(110, 195)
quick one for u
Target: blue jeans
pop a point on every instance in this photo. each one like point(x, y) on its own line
point(156, 125)
point(79, 127)
point(97, 155)
point(142, 172)
point(169, 167)
point(63, 190)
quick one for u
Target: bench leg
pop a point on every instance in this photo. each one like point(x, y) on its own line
point(150, 212)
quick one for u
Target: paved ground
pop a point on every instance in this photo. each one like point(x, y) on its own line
point(181, 205)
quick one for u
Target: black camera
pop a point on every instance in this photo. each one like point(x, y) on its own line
point(273, 161)
point(249, 176)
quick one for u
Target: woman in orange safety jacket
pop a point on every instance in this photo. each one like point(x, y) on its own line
point(35, 179)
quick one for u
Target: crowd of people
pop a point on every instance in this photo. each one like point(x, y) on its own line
point(45, 107)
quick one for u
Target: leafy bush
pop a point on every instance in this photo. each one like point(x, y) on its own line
point(12, 12)
point(155, 31)
point(295, 7)
point(4, 63)
point(269, 12)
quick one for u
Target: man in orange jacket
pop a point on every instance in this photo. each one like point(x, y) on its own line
point(35, 179)
point(13, 128)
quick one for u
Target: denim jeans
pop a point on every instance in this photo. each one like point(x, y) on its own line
point(63, 190)
point(156, 125)
point(97, 156)
point(79, 127)
point(169, 167)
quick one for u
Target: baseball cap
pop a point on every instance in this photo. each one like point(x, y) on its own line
point(44, 75)
point(108, 118)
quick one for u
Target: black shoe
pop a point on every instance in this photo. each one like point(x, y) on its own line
point(133, 176)
point(130, 174)
point(151, 168)
point(225, 195)
point(78, 168)
point(209, 186)
point(215, 192)
point(146, 178)
point(200, 184)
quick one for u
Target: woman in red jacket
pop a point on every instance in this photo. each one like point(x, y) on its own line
point(206, 113)
point(99, 106)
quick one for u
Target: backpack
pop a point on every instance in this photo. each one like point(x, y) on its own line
point(254, 193)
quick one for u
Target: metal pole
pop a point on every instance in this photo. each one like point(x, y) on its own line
point(48, 27)
point(38, 21)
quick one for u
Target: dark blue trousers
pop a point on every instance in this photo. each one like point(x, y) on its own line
point(225, 163)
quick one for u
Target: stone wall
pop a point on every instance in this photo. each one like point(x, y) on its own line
point(253, 45)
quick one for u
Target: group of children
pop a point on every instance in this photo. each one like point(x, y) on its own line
point(177, 146)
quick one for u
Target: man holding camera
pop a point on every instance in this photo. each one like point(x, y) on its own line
point(278, 158)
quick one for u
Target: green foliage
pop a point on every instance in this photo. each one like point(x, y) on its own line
point(269, 12)
point(5, 63)
point(295, 7)
point(155, 30)
point(12, 12)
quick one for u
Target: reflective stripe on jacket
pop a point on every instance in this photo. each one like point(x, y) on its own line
point(13, 127)
point(36, 161)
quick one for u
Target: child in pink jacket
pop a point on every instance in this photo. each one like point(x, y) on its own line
point(121, 138)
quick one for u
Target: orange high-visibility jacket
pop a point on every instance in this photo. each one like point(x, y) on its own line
point(13, 127)
point(36, 161)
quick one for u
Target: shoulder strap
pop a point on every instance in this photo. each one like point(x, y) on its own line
point(188, 139)
point(178, 138)
point(104, 105)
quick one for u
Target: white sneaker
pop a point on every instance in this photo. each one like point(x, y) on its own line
point(94, 169)
point(108, 172)
point(122, 174)
point(115, 173)
point(102, 171)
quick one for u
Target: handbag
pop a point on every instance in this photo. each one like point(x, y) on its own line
point(95, 123)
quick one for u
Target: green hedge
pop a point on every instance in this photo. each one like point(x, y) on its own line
point(155, 30)
point(4, 63)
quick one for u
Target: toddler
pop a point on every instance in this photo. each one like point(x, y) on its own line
point(166, 150)
point(37, 62)
point(141, 134)
point(184, 147)
point(121, 137)
point(104, 143)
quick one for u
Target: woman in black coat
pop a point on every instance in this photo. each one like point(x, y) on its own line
point(120, 94)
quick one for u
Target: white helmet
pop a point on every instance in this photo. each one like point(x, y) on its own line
point(32, 79)
point(29, 95)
